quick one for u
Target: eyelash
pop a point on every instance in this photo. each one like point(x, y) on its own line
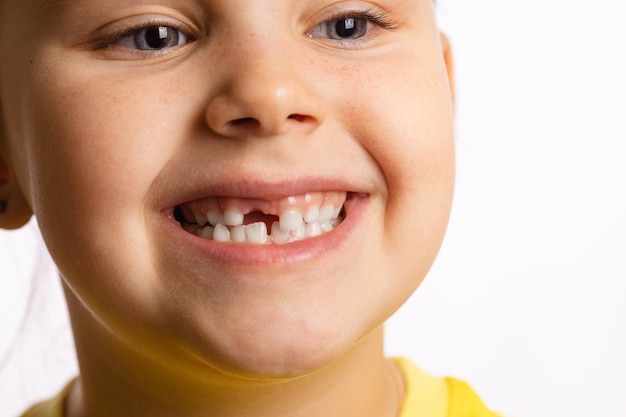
point(370, 17)
point(125, 34)
point(380, 19)
point(377, 18)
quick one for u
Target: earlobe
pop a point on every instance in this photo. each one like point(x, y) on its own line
point(14, 209)
point(449, 62)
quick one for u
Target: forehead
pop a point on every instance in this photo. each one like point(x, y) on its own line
point(64, 18)
point(57, 4)
point(42, 11)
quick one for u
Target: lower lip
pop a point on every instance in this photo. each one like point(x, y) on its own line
point(289, 253)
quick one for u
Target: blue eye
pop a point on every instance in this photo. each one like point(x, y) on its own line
point(157, 38)
point(350, 26)
point(345, 28)
point(150, 38)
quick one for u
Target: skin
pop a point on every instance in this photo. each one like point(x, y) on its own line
point(100, 142)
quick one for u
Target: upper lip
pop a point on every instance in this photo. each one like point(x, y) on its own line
point(258, 189)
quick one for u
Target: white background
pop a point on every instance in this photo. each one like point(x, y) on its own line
point(527, 300)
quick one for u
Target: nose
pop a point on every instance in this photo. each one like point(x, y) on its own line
point(263, 94)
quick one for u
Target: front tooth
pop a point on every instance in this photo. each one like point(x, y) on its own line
point(233, 217)
point(326, 213)
point(256, 232)
point(312, 215)
point(215, 218)
point(291, 220)
point(238, 234)
point(313, 229)
point(300, 232)
point(279, 235)
point(221, 233)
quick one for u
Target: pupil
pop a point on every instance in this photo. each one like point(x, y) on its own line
point(157, 36)
point(346, 27)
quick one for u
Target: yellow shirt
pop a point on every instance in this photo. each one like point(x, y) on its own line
point(428, 396)
point(425, 396)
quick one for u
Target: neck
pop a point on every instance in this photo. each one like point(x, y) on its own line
point(117, 379)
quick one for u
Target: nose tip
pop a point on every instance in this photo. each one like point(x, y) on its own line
point(269, 100)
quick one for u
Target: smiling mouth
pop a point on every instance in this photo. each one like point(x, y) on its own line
point(262, 222)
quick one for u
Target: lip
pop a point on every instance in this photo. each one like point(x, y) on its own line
point(258, 189)
point(243, 254)
point(252, 254)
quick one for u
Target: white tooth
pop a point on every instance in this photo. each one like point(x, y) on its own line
point(200, 219)
point(326, 227)
point(256, 232)
point(207, 232)
point(291, 220)
point(312, 215)
point(326, 213)
point(336, 212)
point(313, 229)
point(233, 217)
point(279, 235)
point(215, 218)
point(221, 233)
point(300, 233)
point(238, 234)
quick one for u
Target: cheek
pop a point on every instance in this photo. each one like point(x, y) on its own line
point(403, 117)
point(95, 148)
point(418, 162)
point(402, 114)
point(104, 139)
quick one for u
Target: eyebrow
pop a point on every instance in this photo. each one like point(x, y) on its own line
point(53, 4)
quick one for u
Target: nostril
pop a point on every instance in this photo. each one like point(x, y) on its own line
point(245, 121)
point(298, 117)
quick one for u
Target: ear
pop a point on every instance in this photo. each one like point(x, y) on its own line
point(14, 209)
point(449, 62)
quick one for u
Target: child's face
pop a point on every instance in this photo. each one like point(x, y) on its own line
point(239, 105)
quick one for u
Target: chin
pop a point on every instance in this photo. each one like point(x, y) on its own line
point(276, 351)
